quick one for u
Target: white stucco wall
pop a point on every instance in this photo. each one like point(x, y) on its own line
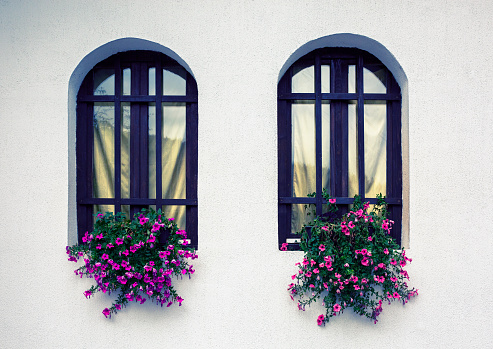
point(238, 298)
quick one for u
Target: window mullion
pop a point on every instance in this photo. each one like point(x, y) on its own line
point(159, 136)
point(118, 92)
point(361, 127)
point(318, 135)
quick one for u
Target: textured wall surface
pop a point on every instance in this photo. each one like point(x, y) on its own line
point(237, 298)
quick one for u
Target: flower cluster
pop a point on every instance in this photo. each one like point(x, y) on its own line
point(135, 258)
point(351, 262)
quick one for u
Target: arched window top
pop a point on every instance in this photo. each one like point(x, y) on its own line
point(354, 41)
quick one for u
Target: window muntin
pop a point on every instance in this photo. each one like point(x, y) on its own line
point(339, 128)
point(130, 153)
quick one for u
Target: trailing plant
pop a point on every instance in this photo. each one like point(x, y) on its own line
point(135, 259)
point(350, 261)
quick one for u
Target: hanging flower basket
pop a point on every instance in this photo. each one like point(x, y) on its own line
point(134, 259)
point(350, 261)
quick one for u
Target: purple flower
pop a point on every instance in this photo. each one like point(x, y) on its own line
point(106, 312)
point(119, 241)
point(87, 294)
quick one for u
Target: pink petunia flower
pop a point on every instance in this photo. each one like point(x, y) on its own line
point(321, 318)
point(106, 312)
point(337, 307)
point(332, 201)
point(321, 248)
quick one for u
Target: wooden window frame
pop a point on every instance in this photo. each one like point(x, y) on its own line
point(338, 58)
point(139, 62)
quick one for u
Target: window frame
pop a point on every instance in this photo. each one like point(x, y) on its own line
point(139, 99)
point(338, 58)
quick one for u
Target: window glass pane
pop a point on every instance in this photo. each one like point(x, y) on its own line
point(104, 82)
point(303, 147)
point(375, 148)
point(353, 173)
point(325, 78)
point(125, 150)
point(126, 210)
point(152, 81)
point(351, 79)
point(303, 79)
point(174, 81)
point(174, 151)
point(152, 150)
point(326, 145)
point(301, 216)
point(103, 173)
point(101, 209)
point(126, 81)
point(374, 79)
point(178, 213)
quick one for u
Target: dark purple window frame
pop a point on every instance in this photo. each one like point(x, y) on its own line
point(338, 59)
point(140, 62)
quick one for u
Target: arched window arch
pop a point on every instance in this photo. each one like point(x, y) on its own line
point(339, 128)
point(136, 139)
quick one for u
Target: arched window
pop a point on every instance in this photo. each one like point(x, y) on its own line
point(136, 142)
point(339, 128)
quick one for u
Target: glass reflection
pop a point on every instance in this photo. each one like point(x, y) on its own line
point(303, 147)
point(126, 81)
point(375, 148)
point(303, 79)
point(174, 81)
point(125, 150)
point(301, 216)
point(326, 145)
point(152, 82)
point(104, 82)
point(325, 78)
point(103, 172)
point(152, 150)
point(374, 79)
point(101, 209)
point(174, 151)
point(353, 173)
point(351, 79)
point(178, 213)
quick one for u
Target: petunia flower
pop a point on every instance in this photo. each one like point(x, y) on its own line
point(337, 307)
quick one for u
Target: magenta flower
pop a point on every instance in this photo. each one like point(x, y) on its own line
point(321, 248)
point(284, 247)
point(370, 238)
point(106, 312)
point(119, 241)
point(110, 246)
point(118, 306)
point(321, 318)
point(351, 225)
point(337, 307)
point(386, 251)
point(332, 201)
point(105, 256)
point(87, 293)
point(393, 261)
point(100, 236)
point(316, 271)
